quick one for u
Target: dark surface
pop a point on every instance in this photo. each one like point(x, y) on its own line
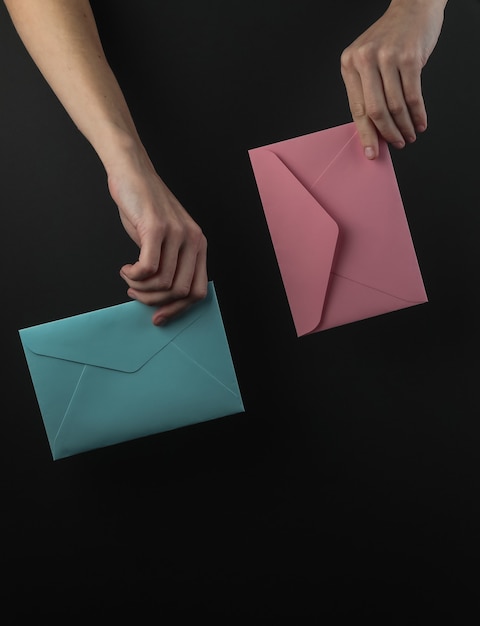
point(350, 486)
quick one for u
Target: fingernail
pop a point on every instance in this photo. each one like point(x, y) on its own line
point(411, 139)
point(159, 321)
point(398, 144)
point(421, 128)
point(369, 152)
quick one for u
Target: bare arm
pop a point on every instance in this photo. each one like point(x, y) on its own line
point(62, 39)
point(382, 69)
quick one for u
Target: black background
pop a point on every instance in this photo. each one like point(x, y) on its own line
point(350, 485)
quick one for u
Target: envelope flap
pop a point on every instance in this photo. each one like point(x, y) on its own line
point(120, 337)
point(303, 234)
point(309, 156)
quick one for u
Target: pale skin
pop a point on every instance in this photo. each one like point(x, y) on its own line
point(62, 38)
point(381, 71)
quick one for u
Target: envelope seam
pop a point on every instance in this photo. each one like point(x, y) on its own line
point(391, 295)
point(185, 354)
point(333, 161)
point(69, 405)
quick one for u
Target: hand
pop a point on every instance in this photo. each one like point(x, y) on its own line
point(171, 270)
point(382, 68)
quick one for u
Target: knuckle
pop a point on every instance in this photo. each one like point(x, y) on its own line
point(176, 231)
point(359, 56)
point(199, 293)
point(157, 230)
point(403, 58)
point(190, 234)
point(196, 236)
point(152, 268)
point(357, 109)
point(181, 292)
point(387, 56)
point(367, 53)
point(408, 59)
point(375, 113)
point(396, 109)
point(163, 284)
point(190, 292)
point(413, 100)
point(347, 59)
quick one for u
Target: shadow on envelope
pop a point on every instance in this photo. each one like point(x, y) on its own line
point(338, 228)
point(110, 375)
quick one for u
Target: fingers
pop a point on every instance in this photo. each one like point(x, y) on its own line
point(412, 88)
point(156, 266)
point(403, 96)
point(177, 280)
point(197, 291)
point(366, 128)
point(147, 264)
point(385, 98)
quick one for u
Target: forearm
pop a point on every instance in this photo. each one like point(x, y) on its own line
point(62, 38)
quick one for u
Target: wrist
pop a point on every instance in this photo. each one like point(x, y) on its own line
point(119, 148)
point(437, 4)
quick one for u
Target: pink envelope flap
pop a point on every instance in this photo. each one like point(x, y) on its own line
point(303, 234)
point(309, 156)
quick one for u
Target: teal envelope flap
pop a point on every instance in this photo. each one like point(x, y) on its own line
point(116, 337)
point(110, 375)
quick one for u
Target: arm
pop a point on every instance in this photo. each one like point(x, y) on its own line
point(382, 68)
point(62, 38)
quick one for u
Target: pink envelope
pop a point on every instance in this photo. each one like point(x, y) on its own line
point(338, 227)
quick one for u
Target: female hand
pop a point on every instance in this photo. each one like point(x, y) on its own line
point(382, 68)
point(171, 272)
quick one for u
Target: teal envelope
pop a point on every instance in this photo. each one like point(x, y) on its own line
point(110, 375)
